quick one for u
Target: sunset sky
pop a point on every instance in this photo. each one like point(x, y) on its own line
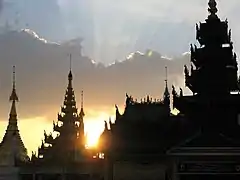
point(32, 129)
point(111, 31)
point(41, 94)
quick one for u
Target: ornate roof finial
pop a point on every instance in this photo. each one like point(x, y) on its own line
point(166, 75)
point(212, 8)
point(70, 62)
point(81, 99)
point(14, 77)
point(166, 92)
point(82, 111)
point(70, 68)
point(14, 96)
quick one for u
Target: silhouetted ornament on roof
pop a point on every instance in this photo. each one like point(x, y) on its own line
point(212, 8)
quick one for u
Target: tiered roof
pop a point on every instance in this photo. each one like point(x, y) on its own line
point(12, 148)
point(70, 141)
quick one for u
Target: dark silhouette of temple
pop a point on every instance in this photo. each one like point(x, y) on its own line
point(135, 144)
point(70, 130)
point(147, 141)
point(202, 141)
point(12, 148)
point(65, 156)
point(212, 152)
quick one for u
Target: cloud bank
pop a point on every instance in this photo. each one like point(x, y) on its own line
point(41, 73)
point(113, 29)
point(42, 70)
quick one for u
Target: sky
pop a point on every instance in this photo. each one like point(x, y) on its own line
point(113, 29)
point(109, 33)
point(41, 74)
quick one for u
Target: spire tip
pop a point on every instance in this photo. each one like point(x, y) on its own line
point(70, 67)
point(70, 56)
point(82, 99)
point(166, 74)
point(212, 8)
point(14, 96)
point(14, 78)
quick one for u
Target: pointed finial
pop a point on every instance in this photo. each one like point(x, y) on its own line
point(82, 114)
point(81, 99)
point(70, 56)
point(166, 92)
point(70, 67)
point(14, 77)
point(166, 75)
point(212, 8)
point(14, 96)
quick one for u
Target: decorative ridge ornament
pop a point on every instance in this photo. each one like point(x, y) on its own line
point(212, 8)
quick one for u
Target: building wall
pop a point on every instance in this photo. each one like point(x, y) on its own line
point(134, 171)
point(8, 173)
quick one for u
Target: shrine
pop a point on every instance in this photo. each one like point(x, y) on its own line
point(213, 150)
point(64, 156)
point(12, 148)
point(135, 144)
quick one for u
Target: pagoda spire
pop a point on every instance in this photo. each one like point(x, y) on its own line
point(82, 114)
point(166, 91)
point(166, 95)
point(212, 8)
point(12, 147)
point(70, 77)
point(14, 98)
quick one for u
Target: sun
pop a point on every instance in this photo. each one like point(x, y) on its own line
point(94, 129)
point(92, 140)
point(94, 126)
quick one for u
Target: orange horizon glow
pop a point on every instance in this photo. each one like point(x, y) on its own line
point(94, 127)
point(32, 129)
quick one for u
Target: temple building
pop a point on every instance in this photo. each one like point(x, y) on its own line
point(12, 149)
point(135, 144)
point(70, 132)
point(213, 150)
point(64, 156)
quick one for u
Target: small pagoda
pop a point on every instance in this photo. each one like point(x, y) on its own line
point(12, 148)
point(213, 150)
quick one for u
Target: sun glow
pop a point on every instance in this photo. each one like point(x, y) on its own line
point(92, 140)
point(94, 126)
point(32, 129)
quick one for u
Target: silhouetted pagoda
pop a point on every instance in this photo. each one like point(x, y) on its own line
point(70, 130)
point(65, 155)
point(213, 152)
point(12, 149)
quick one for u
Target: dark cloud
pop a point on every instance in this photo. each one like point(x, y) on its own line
point(166, 26)
point(42, 70)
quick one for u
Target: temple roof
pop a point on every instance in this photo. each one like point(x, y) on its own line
point(70, 129)
point(12, 147)
point(148, 109)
